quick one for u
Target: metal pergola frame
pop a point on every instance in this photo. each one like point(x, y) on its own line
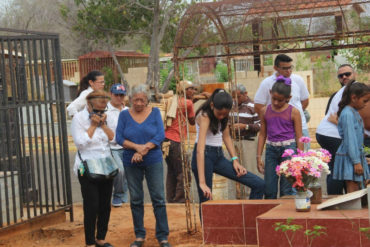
point(235, 28)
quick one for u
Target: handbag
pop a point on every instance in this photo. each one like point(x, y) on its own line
point(98, 170)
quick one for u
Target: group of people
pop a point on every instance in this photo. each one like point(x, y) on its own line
point(103, 127)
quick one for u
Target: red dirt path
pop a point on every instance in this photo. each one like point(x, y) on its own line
point(120, 233)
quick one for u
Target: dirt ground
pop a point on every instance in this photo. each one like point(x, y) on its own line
point(120, 232)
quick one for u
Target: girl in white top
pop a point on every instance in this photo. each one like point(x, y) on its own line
point(94, 80)
point(212, 130)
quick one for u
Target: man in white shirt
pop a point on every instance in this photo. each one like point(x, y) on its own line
point(300, 96)
point(327, 134)
point(114, 108)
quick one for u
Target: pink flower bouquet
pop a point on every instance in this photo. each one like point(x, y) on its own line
point(304, 168)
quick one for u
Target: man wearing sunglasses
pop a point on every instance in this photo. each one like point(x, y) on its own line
point(327, 134)
point(115, 106)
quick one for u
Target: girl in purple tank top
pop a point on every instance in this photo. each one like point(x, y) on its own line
point(281, 125)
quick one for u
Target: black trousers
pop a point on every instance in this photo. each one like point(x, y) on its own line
point(96, 205)
point(334, 187)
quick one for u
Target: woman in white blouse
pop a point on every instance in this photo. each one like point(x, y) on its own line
point(91, 136)
point(94, 80)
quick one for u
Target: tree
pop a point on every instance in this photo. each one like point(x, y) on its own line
point(114, 21)
point(106, 21)
point(19, 14)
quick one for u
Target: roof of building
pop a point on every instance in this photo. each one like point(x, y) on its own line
point(106, 54)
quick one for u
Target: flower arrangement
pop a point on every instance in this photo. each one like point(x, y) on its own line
point(304, 167)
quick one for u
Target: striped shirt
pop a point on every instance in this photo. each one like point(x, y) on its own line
point(247, 115)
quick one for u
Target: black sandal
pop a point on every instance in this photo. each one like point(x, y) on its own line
point(104, 245)
point(137, 243)
point(165, 244)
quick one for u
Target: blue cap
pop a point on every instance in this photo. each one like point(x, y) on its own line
point(118, 89)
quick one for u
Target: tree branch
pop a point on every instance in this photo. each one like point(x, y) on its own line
point(168, 15)
point(123, 32)
point(141, 5)
point(163, 4)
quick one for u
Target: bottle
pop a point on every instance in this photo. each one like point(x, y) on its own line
point(315, 187)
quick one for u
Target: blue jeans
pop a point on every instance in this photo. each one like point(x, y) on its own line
point(307, 134)
point(120, 189)
point(154, 177)
point(272, 160)
point(215, 162)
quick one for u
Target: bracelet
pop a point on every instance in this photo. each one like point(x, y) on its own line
point(234, 158)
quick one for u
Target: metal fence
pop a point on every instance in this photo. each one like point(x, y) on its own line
point(34, 159)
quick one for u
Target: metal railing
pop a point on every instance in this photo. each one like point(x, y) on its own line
point(34, 159)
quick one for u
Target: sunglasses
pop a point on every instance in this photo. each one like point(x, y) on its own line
point(347, 74)
point(99, 112)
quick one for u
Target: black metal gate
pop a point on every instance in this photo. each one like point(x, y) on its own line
point(34, 159)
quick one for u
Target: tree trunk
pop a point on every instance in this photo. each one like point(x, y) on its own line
point(153, 46)
point(115, 60)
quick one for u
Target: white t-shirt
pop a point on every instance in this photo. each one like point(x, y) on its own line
point(112, 120)
point(325, 127)
point(299, 93)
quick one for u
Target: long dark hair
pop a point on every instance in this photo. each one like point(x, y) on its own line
point(353, 88)
point(84, 83)
point(221, 100)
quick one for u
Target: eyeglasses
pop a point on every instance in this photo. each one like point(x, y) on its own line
point(119, 95)
point(99, 82)
point(287, 68)
point(347, 74)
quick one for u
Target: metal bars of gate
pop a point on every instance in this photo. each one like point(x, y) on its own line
point(34, 160)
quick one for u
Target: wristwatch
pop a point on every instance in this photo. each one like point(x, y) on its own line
point(247, 127)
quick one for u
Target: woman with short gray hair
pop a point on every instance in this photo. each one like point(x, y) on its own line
point(140, 131)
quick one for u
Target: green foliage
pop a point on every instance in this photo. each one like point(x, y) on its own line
point(358, 57)
point(221, 72)
point(279, 226)
point(317, 231)
point(109, 78)
point(166, 67)
point(366, 231)
point(145, 48)
point(98, 19)
point(367, 150)
point(267, 60)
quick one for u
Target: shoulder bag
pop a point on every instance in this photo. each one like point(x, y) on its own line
point(97, 170)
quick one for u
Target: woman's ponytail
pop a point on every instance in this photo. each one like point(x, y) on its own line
point(84, 83)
